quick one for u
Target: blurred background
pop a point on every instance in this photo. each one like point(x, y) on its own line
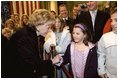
point(26, 7)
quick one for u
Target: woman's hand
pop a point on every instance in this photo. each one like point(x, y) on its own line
point(56, 59)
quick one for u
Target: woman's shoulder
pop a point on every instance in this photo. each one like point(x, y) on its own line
point(20, 32)
point(23, 32)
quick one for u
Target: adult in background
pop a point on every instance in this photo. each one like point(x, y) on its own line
point(94, 19)
point(76, 11)
point(53, 14)
point(24, 53)
point(63, 13)
point(112, 6)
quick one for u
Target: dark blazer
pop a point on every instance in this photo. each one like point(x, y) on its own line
point(91, 63)
point(4, 43)
point(24, 57)
point(70, 23)
point(100, 21)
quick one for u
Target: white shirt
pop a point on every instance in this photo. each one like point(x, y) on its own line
point(107, 55)
point(93, 16)
point(65, 18)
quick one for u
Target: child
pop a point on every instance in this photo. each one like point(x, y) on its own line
point(107, 51)
point(61, 38)
point(6, 32)
point(81, 54)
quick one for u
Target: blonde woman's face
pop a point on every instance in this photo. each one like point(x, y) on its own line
point(114, 22)
point(43, 29)
point(57, 24)
point(78, 35)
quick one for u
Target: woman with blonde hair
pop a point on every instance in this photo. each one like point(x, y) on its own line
point(26, 48)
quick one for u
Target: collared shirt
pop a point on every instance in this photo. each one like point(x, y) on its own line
point(65, 18)
point(93, 16)
point(37, 31)
point(107, 55)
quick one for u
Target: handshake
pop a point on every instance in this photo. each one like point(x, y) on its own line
point(56, 58)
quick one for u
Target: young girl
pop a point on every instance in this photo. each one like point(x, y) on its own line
point(24, 20)
point(81, 54)
point(107, 51)
point(9, 29)
point(60, 37)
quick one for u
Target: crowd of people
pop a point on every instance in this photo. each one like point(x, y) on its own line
point(85, 45)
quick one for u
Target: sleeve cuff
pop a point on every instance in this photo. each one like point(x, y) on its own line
point(58, 49)
point(101, 71)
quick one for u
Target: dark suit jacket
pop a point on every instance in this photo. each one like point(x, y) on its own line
point(90, 70)
point(24, 57)
point(70, 23)
point(100, 21)
point(4, 43)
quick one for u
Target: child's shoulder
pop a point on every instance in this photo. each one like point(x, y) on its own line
point(91, 45)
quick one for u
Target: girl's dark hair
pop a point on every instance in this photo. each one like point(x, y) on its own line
point(85, 30)
point(62, 24)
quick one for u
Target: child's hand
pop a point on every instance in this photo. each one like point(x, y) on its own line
point(104, 76)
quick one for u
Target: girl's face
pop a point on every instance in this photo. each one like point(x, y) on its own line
point(78, 35)
point(114, 22)
point(52, 15)
point(16, 18)
point(10, 24)
point(25, 19)
point(8, 35)
point(57, 24)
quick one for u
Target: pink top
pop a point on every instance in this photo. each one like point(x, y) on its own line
point(78, 60)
